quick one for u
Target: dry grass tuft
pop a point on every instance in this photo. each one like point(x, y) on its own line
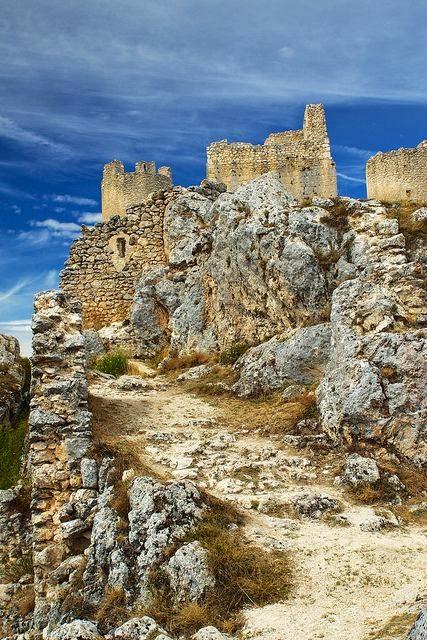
point(186, 361)
point(396, 628)
point(244, 575)
point(270, 414)
point(25, 600)
point(112, 608)
point(16, 568)
point(233, 353)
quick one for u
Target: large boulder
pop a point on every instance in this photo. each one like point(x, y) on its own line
point(241, 269)
point(144, 628)
point(75, 630)
point(360, 471)
point(297, 357)
point(159, 516)
point(188, 572)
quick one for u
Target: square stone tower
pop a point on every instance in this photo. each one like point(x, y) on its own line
point(399, 175)
point(302, 158)
point(120, 190)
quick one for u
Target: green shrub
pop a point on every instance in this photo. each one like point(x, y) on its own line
point(229, 356)
point(12, 439)
point(114, 363)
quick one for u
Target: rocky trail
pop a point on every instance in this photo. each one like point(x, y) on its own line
point(353, 577)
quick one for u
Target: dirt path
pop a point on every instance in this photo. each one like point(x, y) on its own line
point(349, 583)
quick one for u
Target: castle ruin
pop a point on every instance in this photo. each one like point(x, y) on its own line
point(399, 175)
point(121, 190)
point(302, 158)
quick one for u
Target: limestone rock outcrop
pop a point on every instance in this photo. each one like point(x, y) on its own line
point(11, 378)
point(299, 357)
point(258, 268)
point(252, 269)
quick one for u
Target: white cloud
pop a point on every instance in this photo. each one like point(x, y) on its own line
point(287, 52)
point(21, 330)
point(90, 218)
point(50, 280)
point(344, 176)
point(354, 151)
point(49, 230)
point(68, 199)
point(57, 226)
point(5, 295)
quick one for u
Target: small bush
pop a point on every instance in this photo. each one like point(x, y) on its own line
point(114, 363)
point(233, 353)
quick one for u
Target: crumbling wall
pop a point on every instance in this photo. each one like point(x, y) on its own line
point(60, 440)
point(302, 158)
point(121, 190)
point(398, 176)
point(107, 260)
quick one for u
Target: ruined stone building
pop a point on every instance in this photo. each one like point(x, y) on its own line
point(398, 176)
point(302, 158)
point(121, 190)
point(108, 259)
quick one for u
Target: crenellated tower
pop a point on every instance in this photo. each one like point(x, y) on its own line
point(120, 190)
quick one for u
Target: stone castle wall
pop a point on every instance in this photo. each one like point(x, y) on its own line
point(60, 440)
point(302, 158)
point(398, 176)
point(106, 260)
point(121, 190)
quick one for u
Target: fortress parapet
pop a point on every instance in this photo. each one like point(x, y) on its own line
point(302, 158)
point(399, 175)
point(121, 190)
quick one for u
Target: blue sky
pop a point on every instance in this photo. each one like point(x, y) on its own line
point(87, 81)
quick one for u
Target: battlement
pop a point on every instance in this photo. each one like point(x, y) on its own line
point(302, 158)
point(121, 190)
point(399, 175)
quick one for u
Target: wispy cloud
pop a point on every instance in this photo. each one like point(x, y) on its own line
point(344, 176)
point(13, 131)
point(16, 288)
point(47, 231)
point(68, 199)
point(355, 152)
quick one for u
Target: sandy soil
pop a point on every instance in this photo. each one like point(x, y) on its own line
point(349, 583)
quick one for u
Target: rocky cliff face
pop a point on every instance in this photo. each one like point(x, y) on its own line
point(253, 266)
point(11, 378)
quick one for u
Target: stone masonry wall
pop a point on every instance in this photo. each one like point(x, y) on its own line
point(60, 439)
point(302, 159)
point(107, 260)
point(398, 176)
point(121, 190)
